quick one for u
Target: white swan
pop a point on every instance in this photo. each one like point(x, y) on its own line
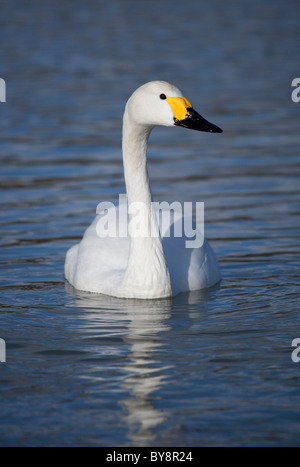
point(153, 265)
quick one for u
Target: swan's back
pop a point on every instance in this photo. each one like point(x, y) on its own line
point(98, 265)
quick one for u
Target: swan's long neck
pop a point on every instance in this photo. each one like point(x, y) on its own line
point(147, 275)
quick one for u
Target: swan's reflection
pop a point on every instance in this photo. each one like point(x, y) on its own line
point(142, 324)
point(144, 372)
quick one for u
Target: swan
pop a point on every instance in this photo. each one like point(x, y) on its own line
point(150, 266)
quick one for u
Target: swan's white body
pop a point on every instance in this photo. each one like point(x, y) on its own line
point(155, 265)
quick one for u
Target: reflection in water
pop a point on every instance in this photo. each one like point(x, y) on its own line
point(145, 373)
point(141, 324)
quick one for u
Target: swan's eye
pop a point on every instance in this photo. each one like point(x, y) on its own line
point(163, 97)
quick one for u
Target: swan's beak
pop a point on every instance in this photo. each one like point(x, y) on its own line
point(186, 116)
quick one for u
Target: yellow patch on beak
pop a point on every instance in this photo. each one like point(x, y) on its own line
point(180, 107)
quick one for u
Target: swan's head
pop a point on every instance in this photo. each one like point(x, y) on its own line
point(160, 103)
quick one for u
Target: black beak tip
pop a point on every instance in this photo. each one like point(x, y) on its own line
point(194, 121)
point(217, 130)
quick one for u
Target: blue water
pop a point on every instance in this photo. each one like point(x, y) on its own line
point(203, 369)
